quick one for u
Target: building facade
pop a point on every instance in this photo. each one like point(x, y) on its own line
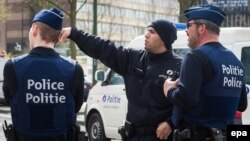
point(118, 20)
point(14, 29)
point(122, 20)
point(238, 11)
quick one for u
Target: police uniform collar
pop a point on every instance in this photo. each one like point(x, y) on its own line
point(42, 51)
point(212, 44)
point(164, 55)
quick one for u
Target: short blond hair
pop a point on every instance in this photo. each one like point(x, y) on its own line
point(47, 33)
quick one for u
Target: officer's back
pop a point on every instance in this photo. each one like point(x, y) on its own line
point(44, 90)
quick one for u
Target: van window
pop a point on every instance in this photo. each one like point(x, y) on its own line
point(181, 51)
point(245, 59)
point(115, 79)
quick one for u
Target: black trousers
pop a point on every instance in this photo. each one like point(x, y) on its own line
point(149, 138)
point(20, 137)
point(199, 134)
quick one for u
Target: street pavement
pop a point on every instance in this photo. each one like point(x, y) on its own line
point(4, 115)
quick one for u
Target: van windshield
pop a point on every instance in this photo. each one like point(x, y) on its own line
point(181, 51)
point(115, 79)
point(245, 59)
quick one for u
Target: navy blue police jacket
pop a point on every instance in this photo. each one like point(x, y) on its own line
point(44, 92)
point(142, 73)
point(211, 88)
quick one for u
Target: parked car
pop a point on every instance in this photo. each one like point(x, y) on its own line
point(2, 63)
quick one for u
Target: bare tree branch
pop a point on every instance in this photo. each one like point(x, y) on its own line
point(69, 1)
point(53, 3)
point(58, 6)
point(85, 1)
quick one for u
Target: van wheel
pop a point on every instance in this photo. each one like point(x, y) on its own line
point(95, 128)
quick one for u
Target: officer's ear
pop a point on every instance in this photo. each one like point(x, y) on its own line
point(34, 29)
point(202, 28)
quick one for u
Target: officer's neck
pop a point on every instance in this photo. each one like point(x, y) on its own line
point(44, 44)
point(208, 38)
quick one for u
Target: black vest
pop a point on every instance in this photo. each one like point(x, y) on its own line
point(220, 97)
point(43, 105)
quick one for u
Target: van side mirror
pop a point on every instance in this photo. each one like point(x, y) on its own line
point(99, 75)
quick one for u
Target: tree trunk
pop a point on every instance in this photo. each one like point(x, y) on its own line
point(184, 4)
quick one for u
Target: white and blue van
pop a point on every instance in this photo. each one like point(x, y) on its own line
point(2, 63)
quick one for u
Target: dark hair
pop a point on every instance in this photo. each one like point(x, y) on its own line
point(211, 27)
point(47, 33)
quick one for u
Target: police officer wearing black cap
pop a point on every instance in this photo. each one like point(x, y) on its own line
point(149, 112)
point(44, 90)
point(211, 86)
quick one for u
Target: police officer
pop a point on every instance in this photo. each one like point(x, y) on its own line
point(211, 86)
point(44, 90)
point(149, 113)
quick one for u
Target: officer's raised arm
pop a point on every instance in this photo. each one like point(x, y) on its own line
point(149, 114)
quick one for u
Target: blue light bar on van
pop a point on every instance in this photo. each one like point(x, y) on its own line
point(181, 26)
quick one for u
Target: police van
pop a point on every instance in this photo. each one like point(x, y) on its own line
point(107, 103)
